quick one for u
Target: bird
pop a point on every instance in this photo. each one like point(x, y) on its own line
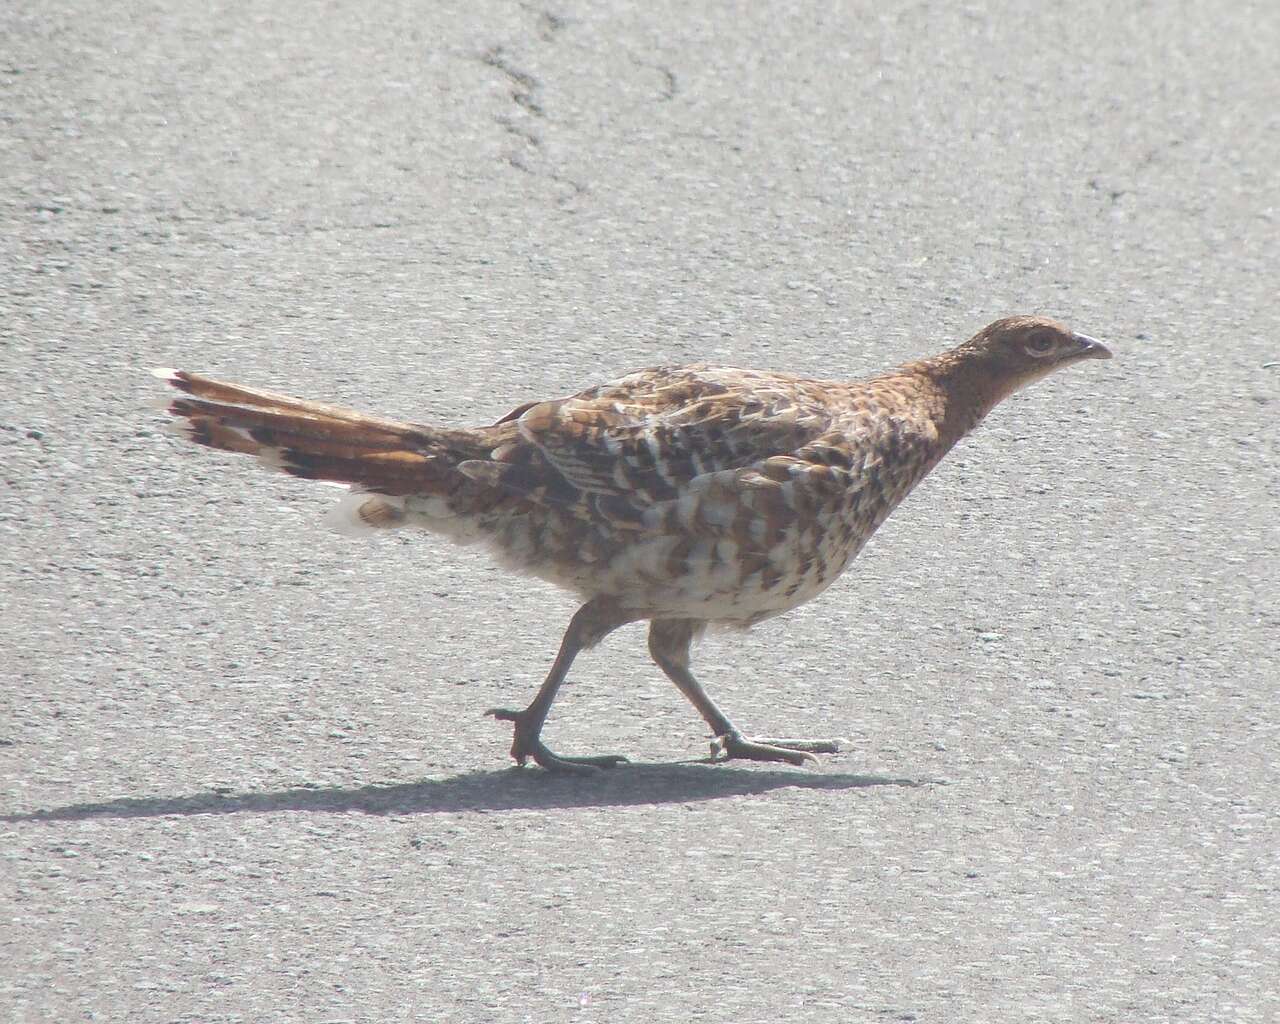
point(686, 496)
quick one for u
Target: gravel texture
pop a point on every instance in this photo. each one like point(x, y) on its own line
point(245, 771)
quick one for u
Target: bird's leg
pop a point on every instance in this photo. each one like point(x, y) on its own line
point(669, 642)
point(590, 624)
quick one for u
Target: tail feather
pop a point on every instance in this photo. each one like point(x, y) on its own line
point(224, 393)
point(391, 473)
point(288, 423)
point(376, 456)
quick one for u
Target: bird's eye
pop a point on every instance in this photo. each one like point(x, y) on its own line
point(1040, 344)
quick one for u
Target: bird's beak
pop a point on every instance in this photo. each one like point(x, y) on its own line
point(1091, 348)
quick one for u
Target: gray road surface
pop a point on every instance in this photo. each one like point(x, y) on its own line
point(245, 770)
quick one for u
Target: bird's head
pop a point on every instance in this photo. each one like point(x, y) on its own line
point(1021, 349)
point(1000, 359)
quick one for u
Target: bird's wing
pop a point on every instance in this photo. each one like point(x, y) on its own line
point(646, 437)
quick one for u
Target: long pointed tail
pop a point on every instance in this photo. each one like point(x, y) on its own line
point(324, 442)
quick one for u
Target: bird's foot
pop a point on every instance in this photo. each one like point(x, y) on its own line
point(733, 744)
point(527, 744)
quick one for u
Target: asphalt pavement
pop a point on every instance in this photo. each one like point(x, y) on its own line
point(245, 773)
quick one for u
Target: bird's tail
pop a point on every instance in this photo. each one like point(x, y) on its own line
point(379, 458)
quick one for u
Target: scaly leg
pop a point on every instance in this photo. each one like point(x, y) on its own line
point(669, 642)
point(590, 624)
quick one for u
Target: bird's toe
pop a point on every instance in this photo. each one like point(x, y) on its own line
point(733, 745)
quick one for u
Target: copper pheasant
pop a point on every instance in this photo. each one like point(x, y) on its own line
point(681, 495)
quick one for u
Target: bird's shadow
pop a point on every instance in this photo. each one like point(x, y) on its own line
point(506, 790)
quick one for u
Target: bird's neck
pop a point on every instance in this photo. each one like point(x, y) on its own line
point(965, 390)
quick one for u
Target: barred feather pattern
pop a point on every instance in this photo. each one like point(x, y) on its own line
point(706, 492)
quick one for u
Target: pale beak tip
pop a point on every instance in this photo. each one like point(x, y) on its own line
point(1092, 348)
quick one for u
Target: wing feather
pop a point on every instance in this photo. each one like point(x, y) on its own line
point(730, 455)
point(652, 433)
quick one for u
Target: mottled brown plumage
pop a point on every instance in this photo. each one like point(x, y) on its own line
point(682, 495)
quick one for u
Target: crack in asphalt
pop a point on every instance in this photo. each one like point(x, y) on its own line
point(670, 84)
point(549, 25)
point(526, 93)
point(525, 89)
